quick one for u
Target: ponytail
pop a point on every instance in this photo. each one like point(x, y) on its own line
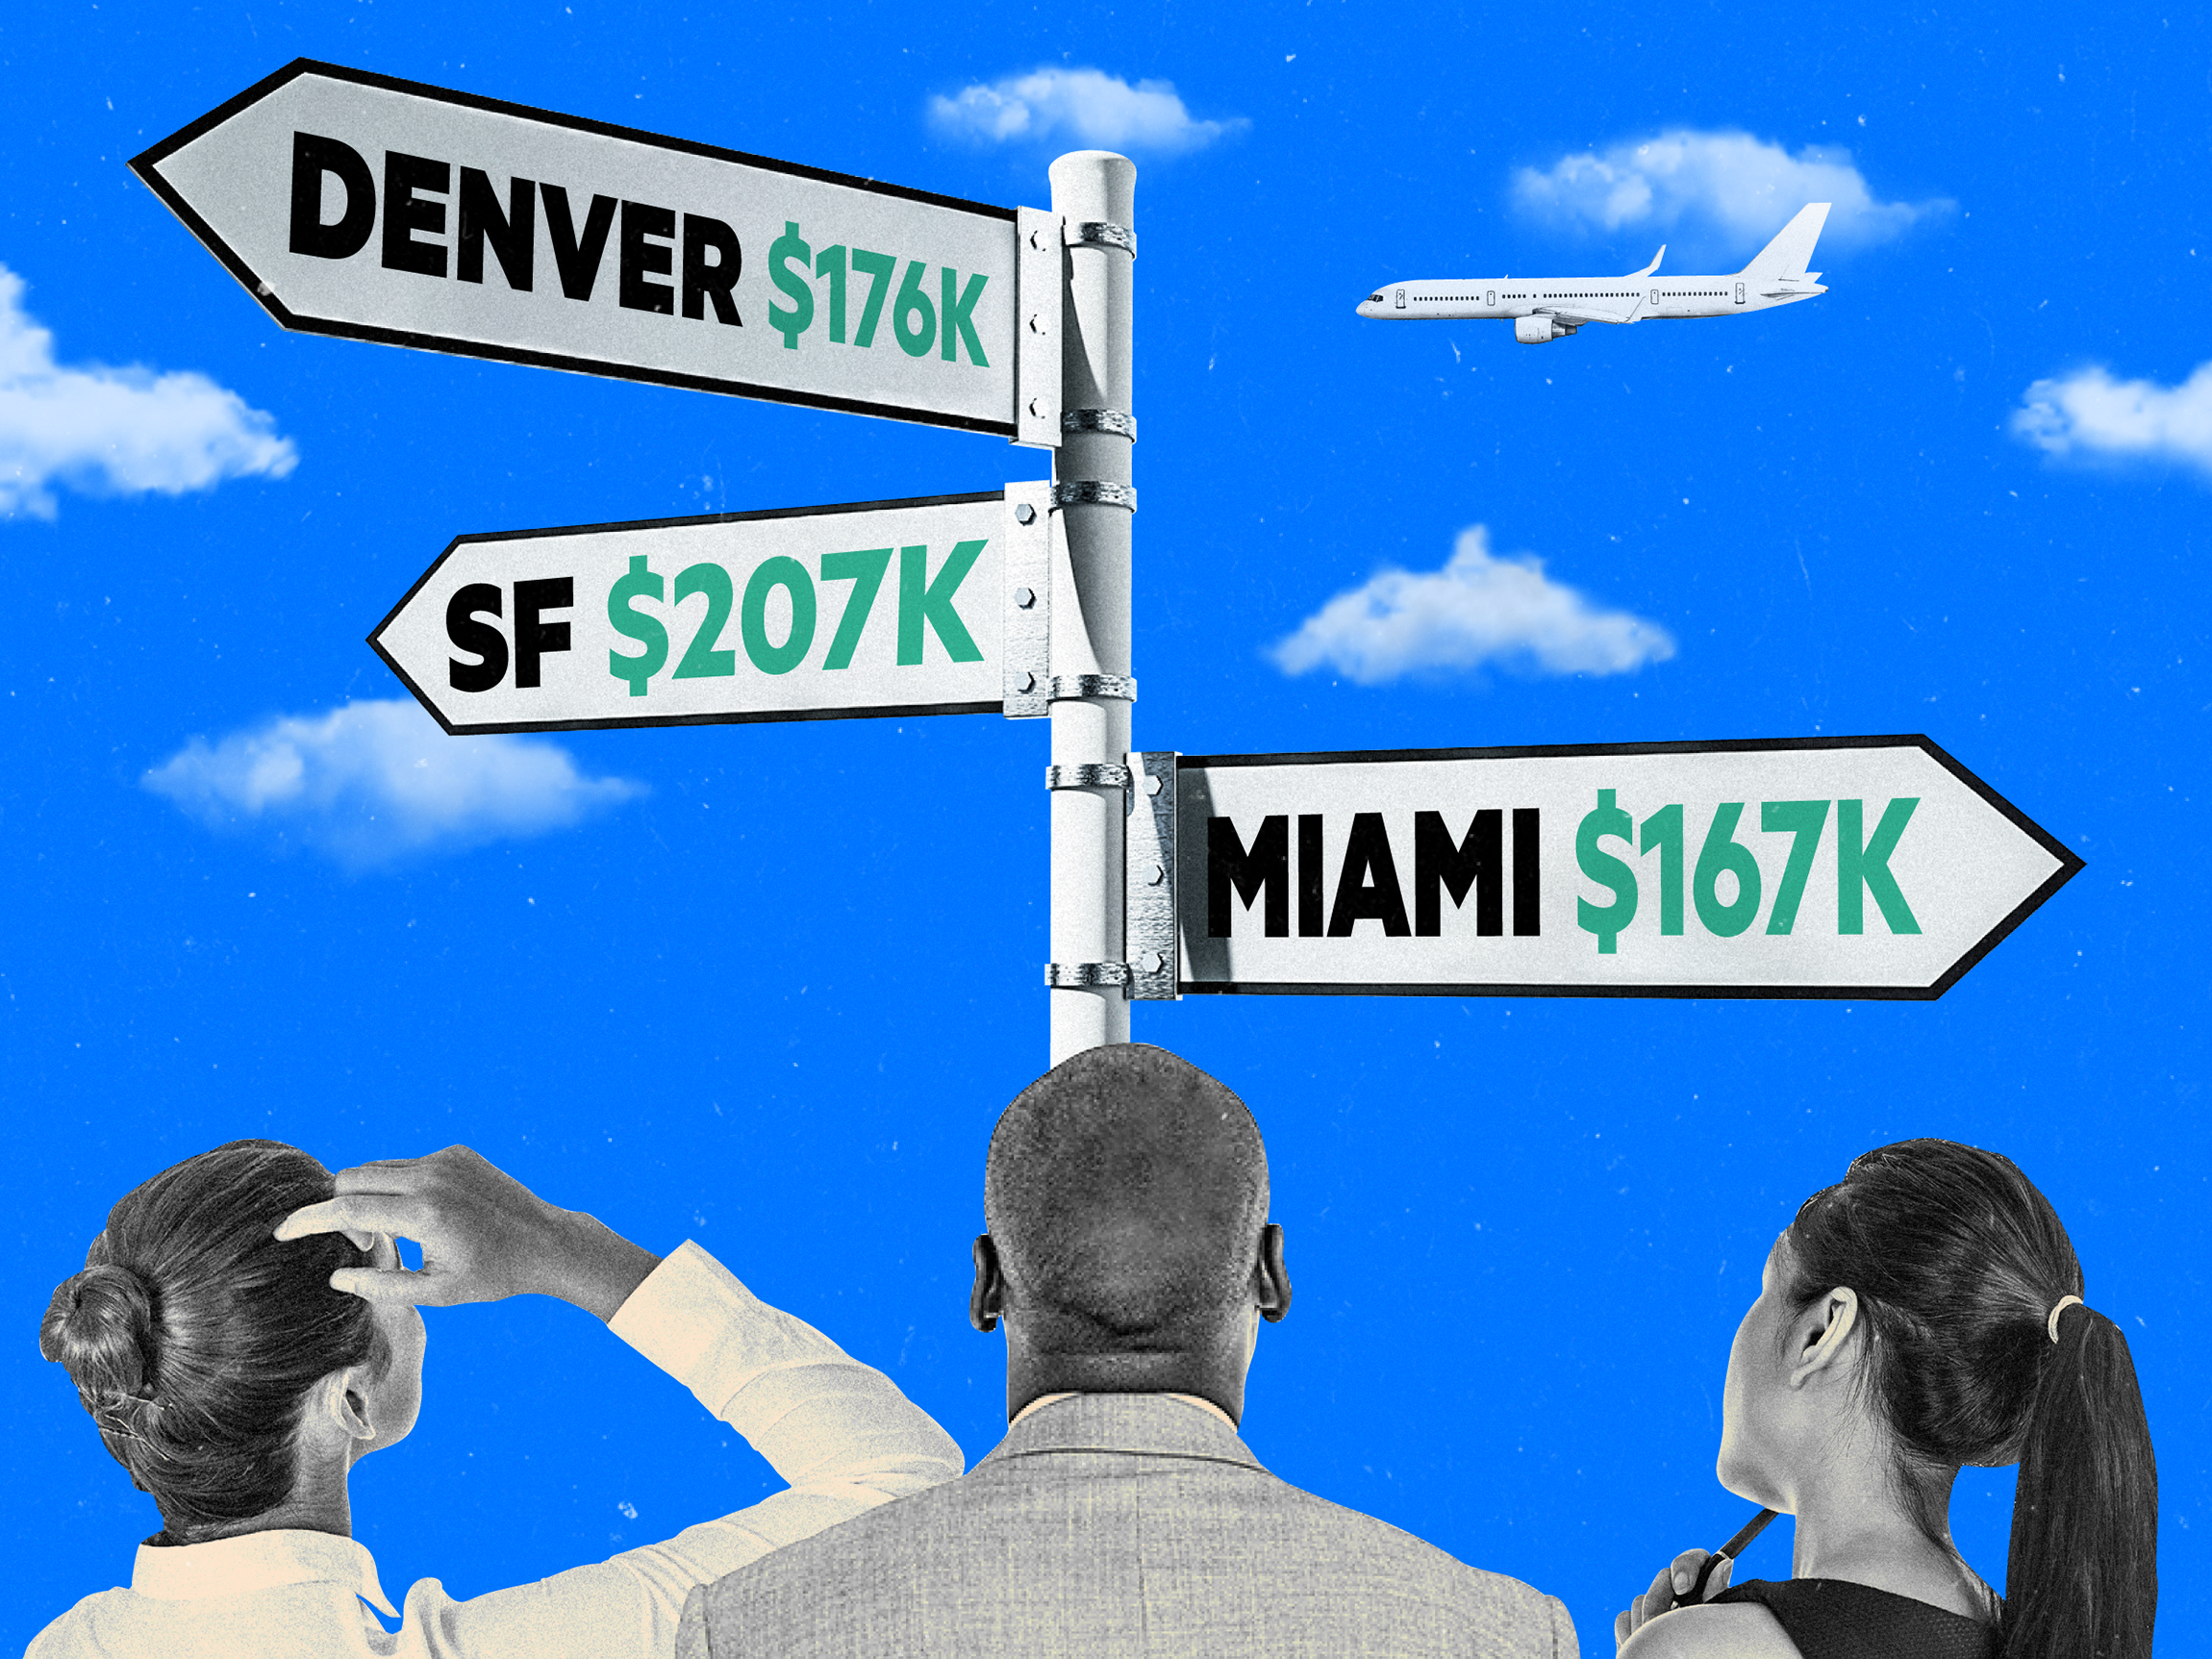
point(2081, 1579)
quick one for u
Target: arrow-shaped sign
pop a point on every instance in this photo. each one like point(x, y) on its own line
point(1858, 867)
point(358, 205)
point(876, 608)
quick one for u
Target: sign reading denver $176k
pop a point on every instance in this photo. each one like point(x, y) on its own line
point(355, 204)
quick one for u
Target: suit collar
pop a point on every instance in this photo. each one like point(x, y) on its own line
point(1150, 1424)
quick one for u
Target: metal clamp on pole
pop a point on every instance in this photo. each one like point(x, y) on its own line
point(1068, 688)
point(1094, 492)
point(1101, 234)
point(1087, 777)
point(1108, 420)
point(1085, 975)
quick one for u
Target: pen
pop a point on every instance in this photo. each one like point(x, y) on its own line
point(1727, 1551)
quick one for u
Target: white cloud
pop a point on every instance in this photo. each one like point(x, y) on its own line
point(116, 431)
point(1479, 609)
point(1088, 106)
point(1742, 187)
point(376, 780)
point(2091, 415)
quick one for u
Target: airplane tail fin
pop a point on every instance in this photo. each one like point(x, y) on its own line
point(1652, 266)
point(1790, 252)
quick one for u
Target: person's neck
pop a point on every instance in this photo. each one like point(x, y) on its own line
point(1864, 1531)
point(318, 1503)
point(1214, 1374)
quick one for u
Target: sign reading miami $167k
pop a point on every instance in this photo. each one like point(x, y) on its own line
point(1823, 867)
point(355, 204)
point(881, 608)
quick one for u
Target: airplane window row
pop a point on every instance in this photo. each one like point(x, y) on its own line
point(1476, 299)
point(1472, 299)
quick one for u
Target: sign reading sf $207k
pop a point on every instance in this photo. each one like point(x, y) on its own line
point(355, 204)
point(1854, 867)
point(882, 608)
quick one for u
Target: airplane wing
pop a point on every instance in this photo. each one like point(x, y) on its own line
point(1576, 315)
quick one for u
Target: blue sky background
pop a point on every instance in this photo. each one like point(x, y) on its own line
point(773, 993)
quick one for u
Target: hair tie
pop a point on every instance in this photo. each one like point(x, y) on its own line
point(2064, 1302)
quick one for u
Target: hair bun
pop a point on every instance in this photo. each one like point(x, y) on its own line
point(100, 1327)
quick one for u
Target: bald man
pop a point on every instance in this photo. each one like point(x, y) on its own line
point(1130, 1262)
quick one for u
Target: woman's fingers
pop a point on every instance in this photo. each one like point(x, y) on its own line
point(1645, 1607)
point(484, 1235)
point(388, 1174)
point(1682, 1573)
point(1671, 1583)
point(391, 1285)
point(356, 1213)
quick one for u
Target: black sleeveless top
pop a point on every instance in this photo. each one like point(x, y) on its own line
point(1835, 1619)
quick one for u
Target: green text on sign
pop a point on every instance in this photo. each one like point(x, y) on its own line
point(925, 606)
point(916, 323)
point(1862, 867)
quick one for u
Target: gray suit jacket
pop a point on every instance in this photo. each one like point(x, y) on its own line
point(1119, 1525)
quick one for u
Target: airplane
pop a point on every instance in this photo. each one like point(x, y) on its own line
point(1546, 307)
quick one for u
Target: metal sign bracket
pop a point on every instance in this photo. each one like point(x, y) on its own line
point(1027, 601)
point(1041, 277)
point(1149, 934)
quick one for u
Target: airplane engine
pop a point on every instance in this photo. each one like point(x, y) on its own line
point(1535, 330)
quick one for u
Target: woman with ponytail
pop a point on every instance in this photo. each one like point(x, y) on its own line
point(242, 1332)
point(1925, 1315)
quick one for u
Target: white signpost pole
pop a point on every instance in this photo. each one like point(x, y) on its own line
point(1093, 196)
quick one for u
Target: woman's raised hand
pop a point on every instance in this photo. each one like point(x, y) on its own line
point(484, 1236)
point(1674, 1580)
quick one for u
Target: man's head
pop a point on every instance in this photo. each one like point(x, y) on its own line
point(1126, 1198)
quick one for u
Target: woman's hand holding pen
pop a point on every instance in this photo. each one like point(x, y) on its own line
point(1674, 1582)
point(484, 1236)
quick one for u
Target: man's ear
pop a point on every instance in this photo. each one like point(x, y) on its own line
point(986, 1300)
point(1270, 1279)
point(1823, 1333)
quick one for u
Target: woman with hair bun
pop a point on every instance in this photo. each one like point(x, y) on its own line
point(1925, 1315)
point(195, 1339)
point(242, 1332)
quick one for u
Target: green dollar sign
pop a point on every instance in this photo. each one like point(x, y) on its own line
point(1606, 871)
point(792, 323)
point(640, 584)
